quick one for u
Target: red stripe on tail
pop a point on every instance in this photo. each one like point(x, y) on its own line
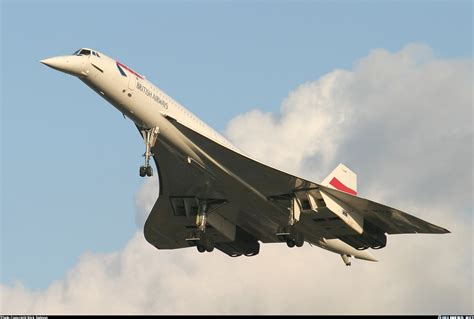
point(338, 185)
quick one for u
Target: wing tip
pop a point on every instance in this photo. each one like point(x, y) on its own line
point(440, 230)
point(445, 231)
point(435, 230)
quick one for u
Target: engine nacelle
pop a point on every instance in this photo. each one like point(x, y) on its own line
point(244, 244)
point(372, 237)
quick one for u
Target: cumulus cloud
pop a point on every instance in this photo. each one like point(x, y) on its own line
point(403, 122)
point(140, 279)
point(306, 125)
point(393, 110)
point(145, 199)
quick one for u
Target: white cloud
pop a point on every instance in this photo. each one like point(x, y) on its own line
point(301, 129)
point(403, 121)
point(145, 199)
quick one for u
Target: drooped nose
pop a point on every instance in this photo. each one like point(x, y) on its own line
point(73, 65)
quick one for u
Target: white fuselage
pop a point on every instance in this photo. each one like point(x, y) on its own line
point(140, 100)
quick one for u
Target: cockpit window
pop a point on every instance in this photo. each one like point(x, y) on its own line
point(86, 52)
point(82, 52)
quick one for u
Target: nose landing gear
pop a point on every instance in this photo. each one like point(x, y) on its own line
point(149, 137)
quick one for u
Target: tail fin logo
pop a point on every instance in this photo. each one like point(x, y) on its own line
point(340, 186)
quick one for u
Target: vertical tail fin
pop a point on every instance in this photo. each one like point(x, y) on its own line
point(343, 179)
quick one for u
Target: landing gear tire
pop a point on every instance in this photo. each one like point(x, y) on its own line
point(146, 171)
point(202, 242)
point(299, 239)
point(201, 248)
point(290, 243)
point(149, 171)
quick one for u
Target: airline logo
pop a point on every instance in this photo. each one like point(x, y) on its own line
point(340, 186)
point(121, 68)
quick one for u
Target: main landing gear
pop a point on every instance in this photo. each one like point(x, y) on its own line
point(199, 238)
point(289, 233)
point(291, 236)
point(149, 137)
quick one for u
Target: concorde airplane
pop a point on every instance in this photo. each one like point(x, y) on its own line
point(212, 195)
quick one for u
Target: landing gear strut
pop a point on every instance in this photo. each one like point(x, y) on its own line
point(289, 233)
point(149, 137)
point(199, 237)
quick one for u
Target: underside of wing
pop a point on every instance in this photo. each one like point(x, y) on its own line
point(390, 220)
point(256, 200)
point(184, 186)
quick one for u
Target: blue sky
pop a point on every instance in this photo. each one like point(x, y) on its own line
point(70, 161)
